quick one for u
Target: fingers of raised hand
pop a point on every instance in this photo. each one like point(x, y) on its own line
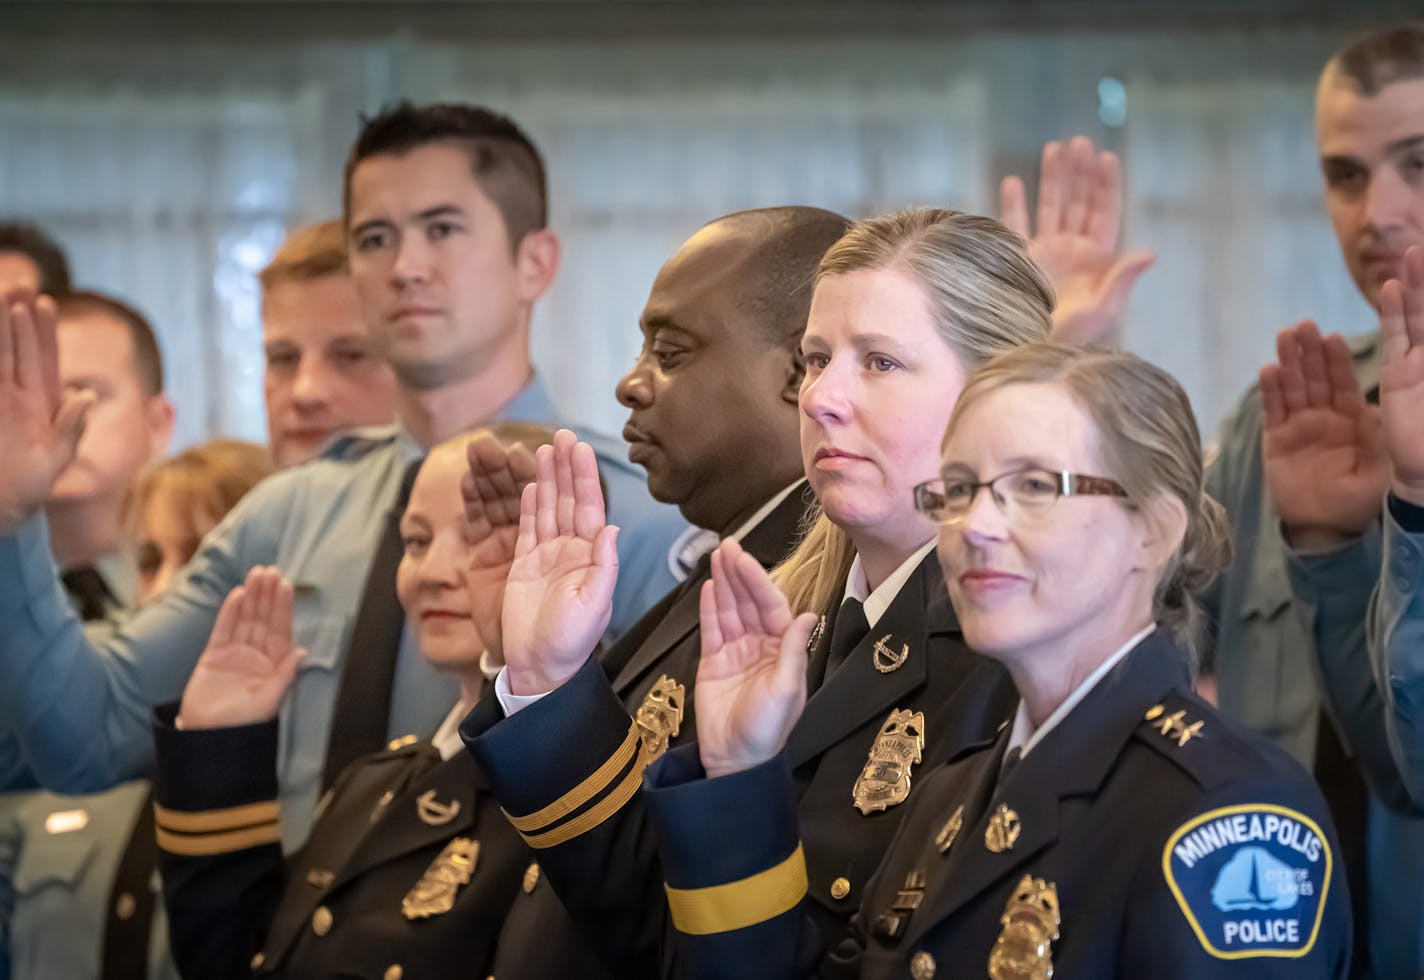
point(729, 620)
point(528, 520)
point(772, 608)
point(1413, 294)
point(26, 348)
point(1273, 399)
point(546, 522)
point(1082, 165)
point(46, 314)
point(1105, 214)
point(1051, 191)
point(1313, 366)
point(224, 630)
point(711, 630)
point(588, 514)
point(279, 632)
point(747, 609)
point(564, 445)
point(1013, 206)
point(1292, 371)
point(1342, 386)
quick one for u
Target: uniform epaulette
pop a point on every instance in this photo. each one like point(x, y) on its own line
point(1182, 729)
point(203, 833)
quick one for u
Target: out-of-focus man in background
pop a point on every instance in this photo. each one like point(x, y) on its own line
point(30, 259)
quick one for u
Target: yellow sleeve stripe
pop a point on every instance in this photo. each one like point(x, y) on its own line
point(583, 792)
point(206, 821)
point(206, 845)
point(594, 815)
point(739, 904)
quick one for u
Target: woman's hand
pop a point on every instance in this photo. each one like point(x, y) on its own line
point(1402, 377)
point(249, 662)
point(558, 598)
point(492, 490)
point(751, 682)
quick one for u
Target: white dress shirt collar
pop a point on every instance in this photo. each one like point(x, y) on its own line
point(875, 603)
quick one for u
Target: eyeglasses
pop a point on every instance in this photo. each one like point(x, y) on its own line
point(1022, 492)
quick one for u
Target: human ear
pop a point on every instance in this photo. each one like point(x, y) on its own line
point(795, 374)
point(1164, 526)
point(537, 262)
point(159, 413)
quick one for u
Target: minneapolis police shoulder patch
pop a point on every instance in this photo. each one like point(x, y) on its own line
point(1251, 879)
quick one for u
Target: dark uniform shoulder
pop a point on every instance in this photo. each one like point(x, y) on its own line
point(1209, 748)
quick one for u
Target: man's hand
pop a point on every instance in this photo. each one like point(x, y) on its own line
point(1402, 377)
point(559, 594)
point(751, 681)
point(40, 425)
point(249, 662)
point(491, 490)
point(1321, 445)
point(1075, 244)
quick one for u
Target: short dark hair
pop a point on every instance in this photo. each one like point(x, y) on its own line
point(148, 360)
point(778, 283)
point(505, 162)
point(1381, 58)
point(28, 240)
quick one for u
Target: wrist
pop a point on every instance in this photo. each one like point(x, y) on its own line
point(527, 682)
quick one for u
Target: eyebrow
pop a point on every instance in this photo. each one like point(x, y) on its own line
point(1407, 143)
point(428, 214)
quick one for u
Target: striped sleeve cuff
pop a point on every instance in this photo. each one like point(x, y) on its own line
point(564, 765)
point(215, 789)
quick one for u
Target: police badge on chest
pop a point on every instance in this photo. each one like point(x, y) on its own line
point(885, 780)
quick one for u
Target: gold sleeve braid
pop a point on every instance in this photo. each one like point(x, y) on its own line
point(739, 904)
point(542, 828)
point(207, 832)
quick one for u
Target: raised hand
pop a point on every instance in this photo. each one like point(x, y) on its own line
point(751, 680)
point(40, 425)
point(1402, 377)
point(558, 597)
point(249, 662)
point(1321, 445)
point(1076, 240)
point(492, 490)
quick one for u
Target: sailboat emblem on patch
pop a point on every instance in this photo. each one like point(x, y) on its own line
point(1251, 880)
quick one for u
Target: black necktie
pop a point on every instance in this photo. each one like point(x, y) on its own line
point(1011, 760)
point(849, 629)
point(90, 593)
point(363, 701)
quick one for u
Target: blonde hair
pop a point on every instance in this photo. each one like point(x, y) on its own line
point(204, 480)
point(1149, 442)
point(310, 252)
point(986, 297)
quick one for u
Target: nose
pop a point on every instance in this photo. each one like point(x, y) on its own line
point(634, 389)
point(412, 264)
point(984, 522)
point(444, 561)
point(309, 388)
point(1387, 199)
point(825, 395)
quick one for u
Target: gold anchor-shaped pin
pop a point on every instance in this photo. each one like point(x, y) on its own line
point(431, 811)
point(886, 659)
point(1003, 830)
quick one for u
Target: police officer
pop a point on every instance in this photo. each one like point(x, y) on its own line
point(1119, 826)
point(410, 866)
point(900, 304)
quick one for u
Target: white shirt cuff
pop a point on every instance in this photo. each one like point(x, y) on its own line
point(512, 703)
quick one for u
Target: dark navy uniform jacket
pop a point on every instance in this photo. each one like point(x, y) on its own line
point(393, 821)
point(568, 769)
point(1121, 846)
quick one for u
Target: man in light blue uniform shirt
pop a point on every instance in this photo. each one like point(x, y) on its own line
point(1279, 667)
point(449, 251)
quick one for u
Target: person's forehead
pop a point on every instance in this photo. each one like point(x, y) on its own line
point(312, 311)
point(395, 186)
point(95, 343)
point(710, 267)
point(1349, 123)
point(436, 491)
point(1040, 420)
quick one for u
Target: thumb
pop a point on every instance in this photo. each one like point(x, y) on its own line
point(1117, 284)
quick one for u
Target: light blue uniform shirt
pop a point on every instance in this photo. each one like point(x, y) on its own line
point(80, 711)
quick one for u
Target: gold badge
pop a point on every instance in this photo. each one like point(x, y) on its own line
point(885, 780)
point(944, 840)
point(433, 812)
point(886, 659)
point(1003, 830)
point(434, 893)
point(660, 716)
point(1024, 949)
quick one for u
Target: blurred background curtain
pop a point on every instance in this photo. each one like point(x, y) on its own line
point(171, 171)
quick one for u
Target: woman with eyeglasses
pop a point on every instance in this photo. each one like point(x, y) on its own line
point(1119, 826)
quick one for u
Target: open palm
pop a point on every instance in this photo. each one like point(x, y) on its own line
point(39, 424)
point(1402, 376)
point(492, 490)
point(249, 662)
point(1321, 445)
point(751, 679)
point(1075, 243)
point(558, 597)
